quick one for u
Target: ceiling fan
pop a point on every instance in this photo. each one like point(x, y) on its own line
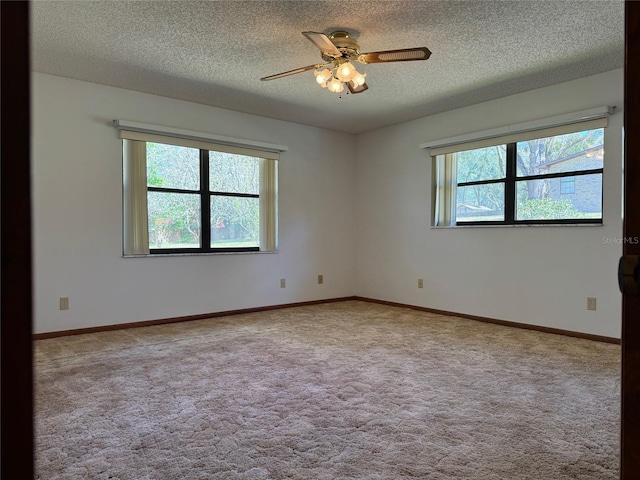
point(339, 49)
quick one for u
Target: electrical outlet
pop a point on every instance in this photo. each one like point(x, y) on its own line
point(320, 279)
point(420, 283)
point(591, 303)
point(64, 303)
point(283, 283)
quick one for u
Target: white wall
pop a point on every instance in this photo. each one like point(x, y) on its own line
point(77, 190)
point(534, 275)
point(364, 225)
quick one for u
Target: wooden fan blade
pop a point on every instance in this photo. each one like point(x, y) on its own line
point(290, 72)
point(353, 88)
point(402, 55)
point(321, 41)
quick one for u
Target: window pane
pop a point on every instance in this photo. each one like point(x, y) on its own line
point(562, 153)
point(174, 220)
point(480, 203)
point(482, 164)
point(234, 222)
point(567, 185)
point(546, 200)
point(170, 166)
point(233, 173)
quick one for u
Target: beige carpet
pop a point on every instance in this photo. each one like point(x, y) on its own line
point(348, 390)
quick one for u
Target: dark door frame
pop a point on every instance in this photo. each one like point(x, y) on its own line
point(630, 392)
point(15, 237)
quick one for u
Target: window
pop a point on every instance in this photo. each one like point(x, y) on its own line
point(522, 179)
point(185, 196)
point(567, 185)
point(188, 188)
point(481, 175)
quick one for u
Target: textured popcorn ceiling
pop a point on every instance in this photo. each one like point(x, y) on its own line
point(215, 52)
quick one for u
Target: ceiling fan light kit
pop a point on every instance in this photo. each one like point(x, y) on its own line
point(339, 50)
point(335, 79)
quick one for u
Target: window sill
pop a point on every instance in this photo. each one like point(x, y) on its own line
point(521, 225)
point(194, 254)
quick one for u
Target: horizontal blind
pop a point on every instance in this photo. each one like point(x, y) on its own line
point(519, 137)
point(199, 144)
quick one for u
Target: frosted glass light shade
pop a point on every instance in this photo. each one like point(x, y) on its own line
point(346, 72)
point(335, 85)
point(358, 79)
point(323, 76)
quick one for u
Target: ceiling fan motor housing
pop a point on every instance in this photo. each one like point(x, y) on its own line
point(348, 46)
